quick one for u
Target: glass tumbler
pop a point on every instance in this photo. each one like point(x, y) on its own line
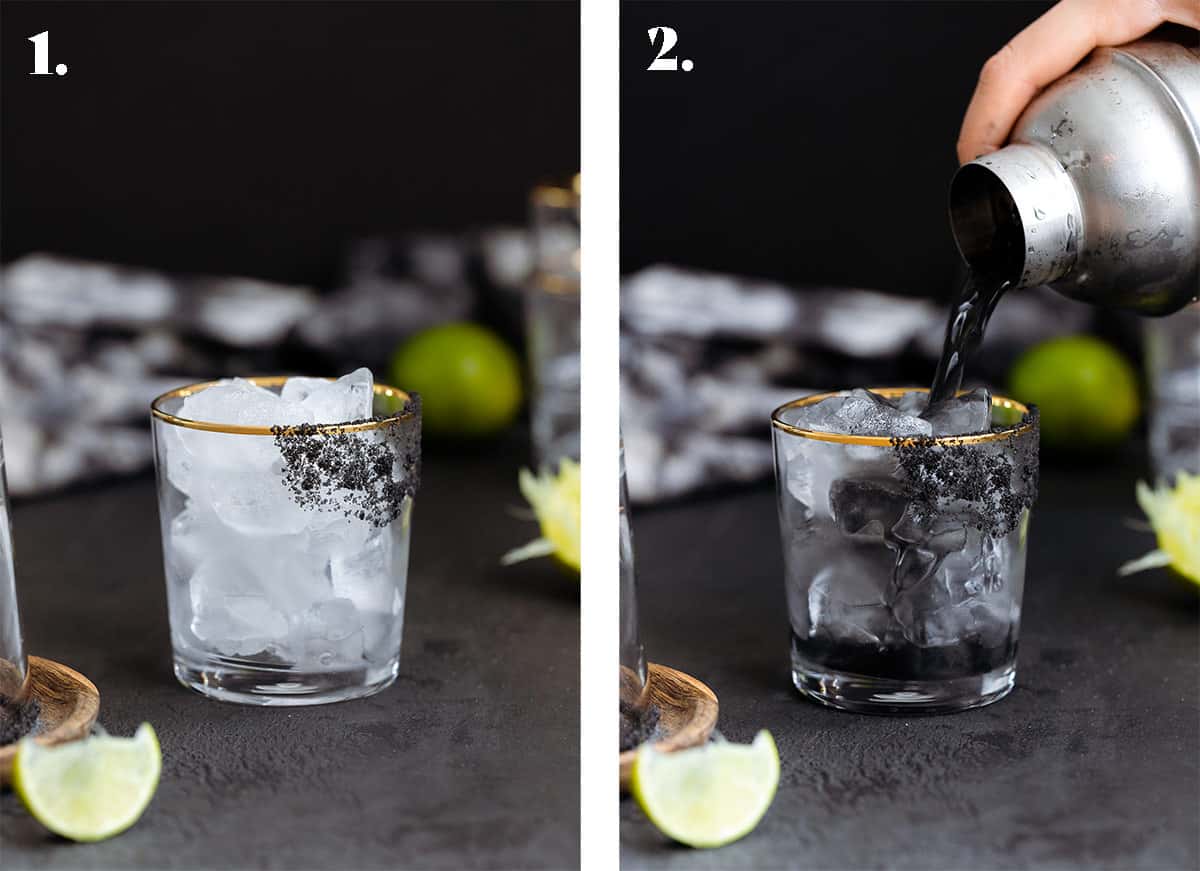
point(905, 559)
point(1173, 373)
point(14, 671)
point(552, 324)
point(637, 719)
point(286, 549)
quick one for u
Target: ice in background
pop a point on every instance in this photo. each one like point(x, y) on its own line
point(867, 568)
point(251, 573)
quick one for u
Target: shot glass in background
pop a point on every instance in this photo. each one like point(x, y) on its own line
point(14, 668)
point(904, 556)
point(1173, 375)
point(286, 546)
point(552, 323)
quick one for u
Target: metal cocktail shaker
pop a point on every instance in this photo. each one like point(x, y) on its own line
point(1097, 193)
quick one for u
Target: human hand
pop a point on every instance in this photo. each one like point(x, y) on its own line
point(1048, 48)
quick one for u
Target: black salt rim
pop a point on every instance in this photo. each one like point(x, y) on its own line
point(339, 467)
point(946, 471)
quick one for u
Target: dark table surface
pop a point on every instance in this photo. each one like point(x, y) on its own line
point(470, 760)
point(1093, 761)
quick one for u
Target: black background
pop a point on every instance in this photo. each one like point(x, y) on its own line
point(813, 142)
point(256, 138)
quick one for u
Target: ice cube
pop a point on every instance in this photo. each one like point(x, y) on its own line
point(299, 387)
point(940, 534)
point(363, 575)
point(350, 397)
point(862, 412)
point(911, 403)
point(871, 414)
point(192, 456)
point(967, 414)
point(921, 545)
point(991, 568)
point(798, 478)
point(950, 615)
point(958, 605)
point(866, 506)
point(366, 575)
point(334, 633)
point(822, 416)
point(194, 534)
point(847, 600)
point(180, 462)
point(231, 613)
point(253, 501)
point(237, 476)
point(241, 402)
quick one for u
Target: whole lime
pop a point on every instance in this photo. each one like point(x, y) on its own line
point(1086, 390)
point(468, 378)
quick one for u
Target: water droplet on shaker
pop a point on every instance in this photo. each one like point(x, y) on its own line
point(1039, 214)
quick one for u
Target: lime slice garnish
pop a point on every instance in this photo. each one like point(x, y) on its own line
point(707, 796)
point(555, 499)
point(1174, 512)
point(92, 789)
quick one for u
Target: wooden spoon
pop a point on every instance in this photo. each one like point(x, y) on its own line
point(69, 706)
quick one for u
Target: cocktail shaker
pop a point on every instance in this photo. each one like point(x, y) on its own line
point(1097, 193)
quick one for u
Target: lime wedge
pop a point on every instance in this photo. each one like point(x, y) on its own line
point(707, 796)
point(555, 499)
point(92, 789)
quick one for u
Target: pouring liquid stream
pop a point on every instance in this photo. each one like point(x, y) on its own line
point(969, 316)
point(989, 276)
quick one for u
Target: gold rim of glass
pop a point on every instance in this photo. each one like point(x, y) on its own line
point(1025, 425)
point(268, 381)
point(556, 196)
point(550, 282)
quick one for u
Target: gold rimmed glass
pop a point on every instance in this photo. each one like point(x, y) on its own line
point(904, 558)
point(285, 548)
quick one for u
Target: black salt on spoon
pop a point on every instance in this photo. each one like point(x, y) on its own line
point(17, 719)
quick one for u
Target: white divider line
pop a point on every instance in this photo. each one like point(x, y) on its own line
point(599, 844)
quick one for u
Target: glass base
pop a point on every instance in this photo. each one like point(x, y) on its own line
point(250, 684)
point(873, 695)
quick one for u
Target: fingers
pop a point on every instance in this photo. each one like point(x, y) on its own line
point(1047, 49)
point(1185, 12)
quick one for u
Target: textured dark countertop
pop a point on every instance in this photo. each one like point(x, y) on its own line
point(470, 760)
point(1093, 761)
